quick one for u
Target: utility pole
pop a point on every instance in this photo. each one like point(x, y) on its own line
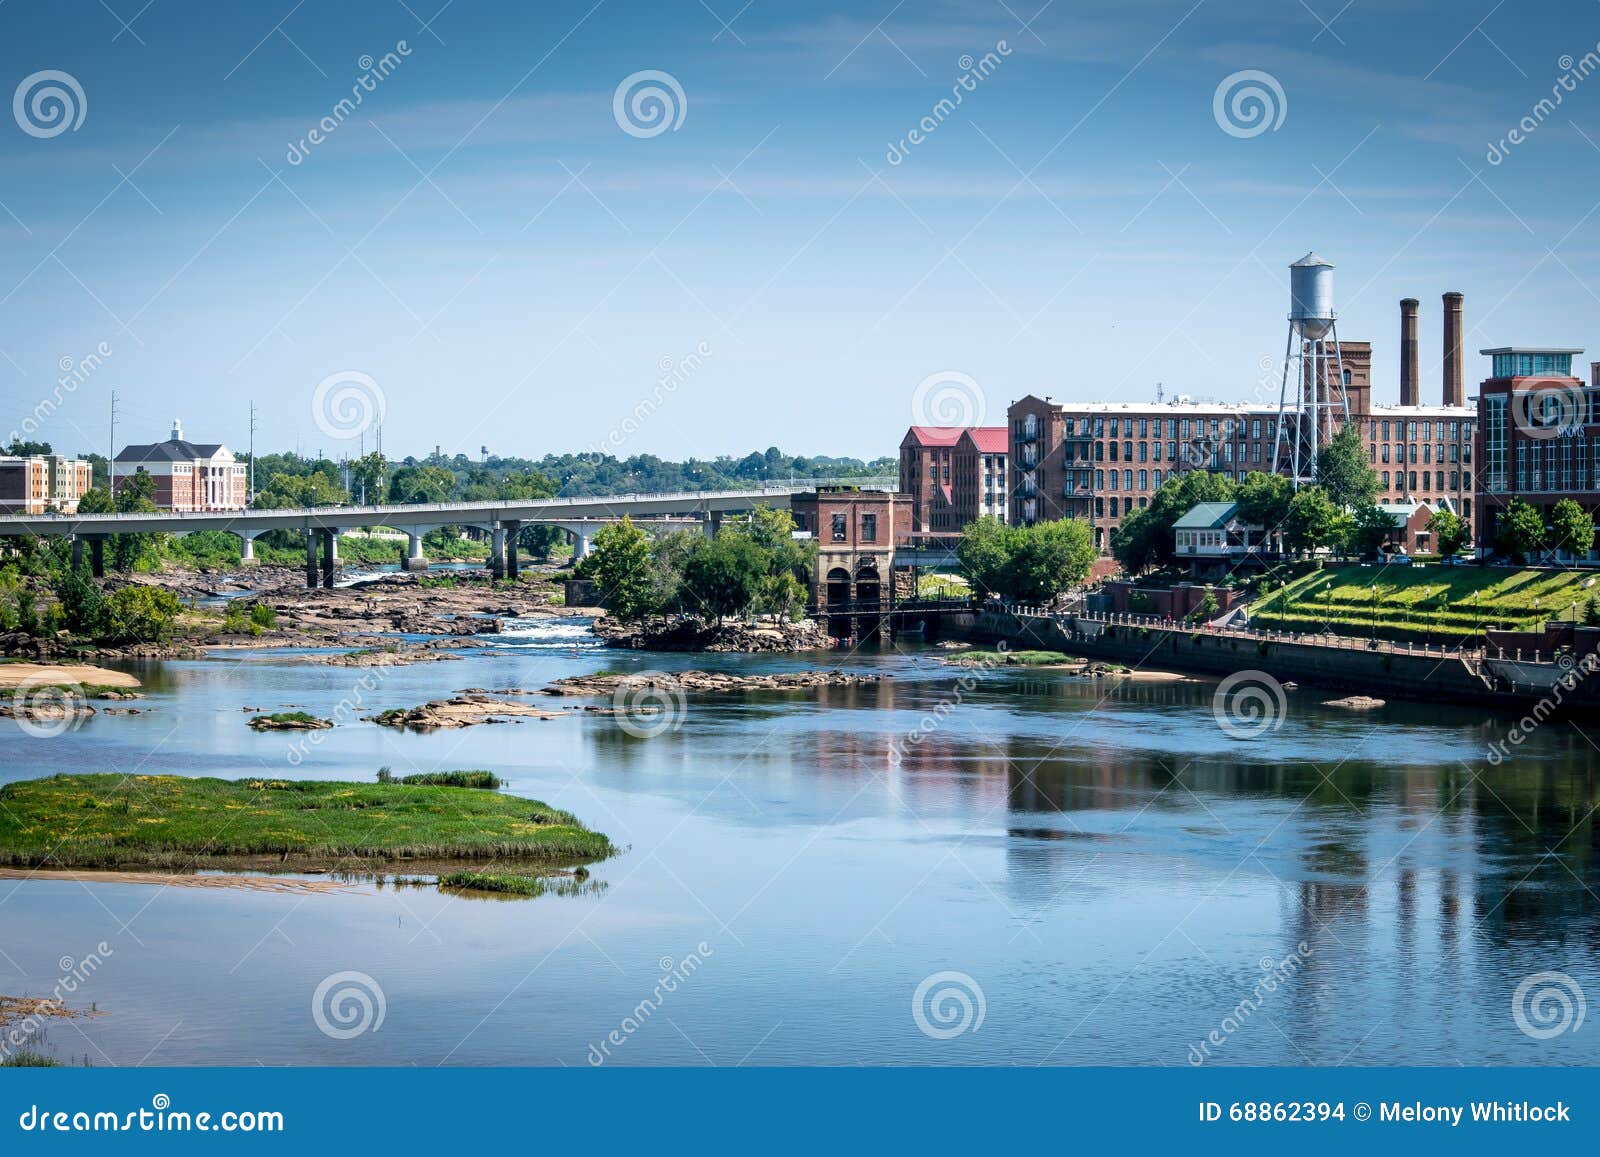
point(252, 482)
point(111, 456)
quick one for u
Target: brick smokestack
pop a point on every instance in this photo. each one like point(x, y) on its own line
point(1455, 393)
point(1409, 394)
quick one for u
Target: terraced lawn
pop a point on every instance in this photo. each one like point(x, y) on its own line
point(1434, 603)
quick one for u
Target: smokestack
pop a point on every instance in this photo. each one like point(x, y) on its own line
point(1409, 394)
point(1455, 393)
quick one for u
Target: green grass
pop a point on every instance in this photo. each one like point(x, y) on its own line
point(27, 1059)
point(513, 884)
point(285, 717)
point(475, 779)
point(113, 821)
point(1011, 658)
point(1449, 604)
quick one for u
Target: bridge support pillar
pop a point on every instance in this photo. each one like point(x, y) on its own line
point(513, 532)
point(415, 560)
point(97, 556)
point(77, 551)
point(247, 550)
point(713, 523)
point(330, 556)
point(580, 546)
point(311, 560)
point(497, 552)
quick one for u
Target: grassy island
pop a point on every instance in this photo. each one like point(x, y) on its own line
point(113, 821)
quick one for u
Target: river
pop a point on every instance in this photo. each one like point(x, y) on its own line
point(1060, 871)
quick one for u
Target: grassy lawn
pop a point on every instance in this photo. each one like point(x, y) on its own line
point(1437, 603)
point(112, 821)
point(1011, 659)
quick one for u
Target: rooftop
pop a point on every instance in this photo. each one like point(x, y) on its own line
point(1206, 516)
point(1531, 349)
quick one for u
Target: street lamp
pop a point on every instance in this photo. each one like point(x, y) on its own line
point(1374, 612)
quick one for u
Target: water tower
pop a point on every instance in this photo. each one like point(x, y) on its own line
point(1306, 418)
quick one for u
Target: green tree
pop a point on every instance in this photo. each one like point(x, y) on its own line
point(1312, 521)
point(1046, 559)
point(1145, 537)
point(1263, 499)
point(22, 448)
point(96, 500)
point(366, 477)
point(1371, 527)
point(1571, 528)
point(789, 560)
point(1343, 472)
point(140, 614)
point(83, 609)
point(1521, 532)
point(1450, 532)
point(621, 567)
point(418, 484)
point(723, 576)
point(982, 555)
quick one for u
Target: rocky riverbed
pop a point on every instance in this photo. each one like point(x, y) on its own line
point(696, 635)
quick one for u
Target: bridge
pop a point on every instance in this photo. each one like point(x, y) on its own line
point(502, 520)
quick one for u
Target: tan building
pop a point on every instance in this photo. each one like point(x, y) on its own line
point(41, 483)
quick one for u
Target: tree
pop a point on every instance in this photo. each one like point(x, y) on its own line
point(140, 614)
point(1343, 472)
point(1371, 527)
point(136, 492)
point(1450, 532)
point(1312, 522)
point(982, 554)
point(1145, 536)
point(1029, 564)
point(96, 500)
point(22, 448)
point(621, 567)
point(1571, 528)
point(366, 477)
point(789, 560)
point(1521, 530)
point(1046, 559)
point(418, 484)
point(1263, 499)
point(723, 576)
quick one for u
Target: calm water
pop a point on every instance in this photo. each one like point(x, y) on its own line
point(1107, 868)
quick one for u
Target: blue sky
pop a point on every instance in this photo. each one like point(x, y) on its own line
point(484, 241)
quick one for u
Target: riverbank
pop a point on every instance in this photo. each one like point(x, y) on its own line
point(75, 822)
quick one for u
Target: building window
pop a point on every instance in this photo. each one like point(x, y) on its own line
point(840, 528)
point(869, 528)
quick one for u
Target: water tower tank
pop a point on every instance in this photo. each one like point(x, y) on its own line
point(1311, 296)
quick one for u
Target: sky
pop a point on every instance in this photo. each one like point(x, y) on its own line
point(796, 235)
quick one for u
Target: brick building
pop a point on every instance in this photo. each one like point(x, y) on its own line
point(189, 476)
point(978, 475)
point(855, 531)
point(1539, 435)
point(1099, 460)
point(40, 483)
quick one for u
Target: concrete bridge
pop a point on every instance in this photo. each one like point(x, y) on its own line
point(321, 525)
